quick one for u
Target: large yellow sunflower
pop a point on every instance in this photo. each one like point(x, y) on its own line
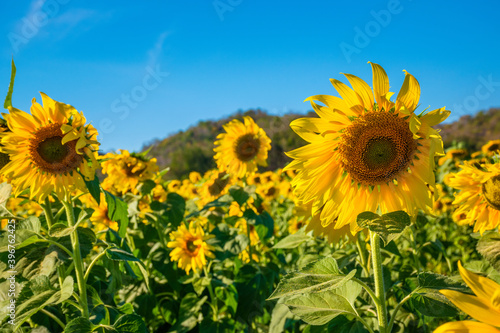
point(242, 148)
point(479, 196)
point(365, 153)
point(189, 247)
point(50, 150)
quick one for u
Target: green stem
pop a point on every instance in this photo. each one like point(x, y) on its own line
point(54, 317)
point(364, 323)
point(379, 282)
point(414, 245)
point(368, 289)
point(212, 297)
point(87, 273)
point(360, 244)
point(47, 209)
point(250, 251)
point(77, 259)
point(396, 309)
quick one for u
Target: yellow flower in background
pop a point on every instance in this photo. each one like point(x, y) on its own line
point(126, 170)
point(295, 224)
point(365, 152)
point(484, 306)
point(189, 247)
point(217, 184)
point(491, 147)
point(242, 148)
point(454, 155)
point(49, 149)
point(99, 217)
point(479, 196)
point(243, 225)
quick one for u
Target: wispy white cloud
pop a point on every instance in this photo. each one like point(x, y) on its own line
point(155, 52)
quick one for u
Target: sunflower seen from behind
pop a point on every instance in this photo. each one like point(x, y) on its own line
point(242, 148)
point(50, 150)
point(365, 153)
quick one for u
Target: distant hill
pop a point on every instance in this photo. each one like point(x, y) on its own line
point(192, 150)
point(474, 130)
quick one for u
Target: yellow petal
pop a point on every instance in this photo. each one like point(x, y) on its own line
point(363, 89)
point(380, 83)
point(465, 327)
point(435, 117)
point(351, 97)
point(473, 306)
point(484, 288)
point(409, 94)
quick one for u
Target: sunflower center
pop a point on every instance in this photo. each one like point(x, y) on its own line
point(491, 192)
point(52, 150)
point(246, 147)
point(4, 160)
point(49, 154)
point(191, 247)
point(494, 147)
point(377, 148)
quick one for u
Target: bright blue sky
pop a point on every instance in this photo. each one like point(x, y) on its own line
point(226, 55)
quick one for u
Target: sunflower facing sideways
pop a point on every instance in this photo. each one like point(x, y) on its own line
point(479, 197)
point(50, 150)
point(242, 148)
point(365, 153)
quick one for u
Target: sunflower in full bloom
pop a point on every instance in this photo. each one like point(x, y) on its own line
point(484, 306)
point(365, 153)
point(50, 150)
point(190, 249)
point(479, 196)
point(217, 184)
point(242, 148)
point(126, 170)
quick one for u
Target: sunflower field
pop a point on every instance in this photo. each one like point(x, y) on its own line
point(373, 227)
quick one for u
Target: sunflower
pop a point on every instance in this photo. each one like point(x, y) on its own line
point(189, 247)
point(241, 148)
point(365, 154)
point(492, 147)
point(50, 150)
point(217, 184)
point(126, 170)
point(479, 196)
point(484, 306)
point(100, 218)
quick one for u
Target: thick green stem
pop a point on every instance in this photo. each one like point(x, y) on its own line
point(77, 259)
point(47, 209)
point(213, 299)
point(379, 282)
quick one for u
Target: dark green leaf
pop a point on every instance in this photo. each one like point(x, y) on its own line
point(117, 211)
point(239, 194)
point(79, 325)
point(115, 253)
point(389, 226)
point(130, 323)
point(94, 188)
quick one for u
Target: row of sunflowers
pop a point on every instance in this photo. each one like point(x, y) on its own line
point(373, 226)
